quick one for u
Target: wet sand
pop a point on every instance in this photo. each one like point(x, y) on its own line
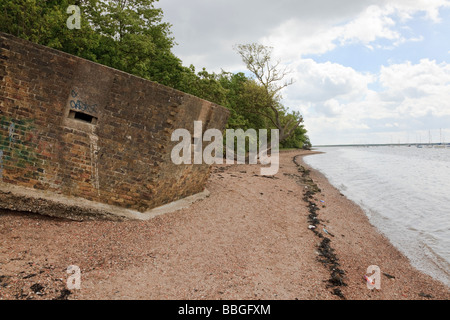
point(251, 239)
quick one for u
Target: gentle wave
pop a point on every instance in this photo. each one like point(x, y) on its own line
point(405, 192)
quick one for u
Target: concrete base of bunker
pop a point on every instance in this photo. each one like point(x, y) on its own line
point(79, 209)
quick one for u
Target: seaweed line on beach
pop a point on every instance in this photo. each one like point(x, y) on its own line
point(327, 254)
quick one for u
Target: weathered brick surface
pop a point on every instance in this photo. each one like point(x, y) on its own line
point(122, 158)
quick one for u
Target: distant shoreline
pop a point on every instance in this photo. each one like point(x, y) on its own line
point(413, 144)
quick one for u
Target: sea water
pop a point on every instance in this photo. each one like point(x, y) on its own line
point(405, 192)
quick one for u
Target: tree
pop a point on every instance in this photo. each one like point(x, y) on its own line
point(44, 22)
point(133, 35)
point(128, 35)
point(266, 89)
point(238, 103)
point(297, 140)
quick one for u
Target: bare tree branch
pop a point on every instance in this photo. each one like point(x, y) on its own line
point(268, 74)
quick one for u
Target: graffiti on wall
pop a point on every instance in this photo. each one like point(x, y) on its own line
point(77, 104)
point(17, 142)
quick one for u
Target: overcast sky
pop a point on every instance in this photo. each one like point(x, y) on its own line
point(366, 71)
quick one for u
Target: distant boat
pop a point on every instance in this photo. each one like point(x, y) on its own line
point(419, 146)
point(441, 145)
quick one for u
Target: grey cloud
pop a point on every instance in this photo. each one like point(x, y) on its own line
point(209, 28)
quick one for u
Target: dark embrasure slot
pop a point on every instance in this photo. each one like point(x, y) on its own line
point(82, 117)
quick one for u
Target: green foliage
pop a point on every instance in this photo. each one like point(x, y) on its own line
point(204, 85)
point(237, 102)
point(132, 34)
point(296, 140)
point(44, 22)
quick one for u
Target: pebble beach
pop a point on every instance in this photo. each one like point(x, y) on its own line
point(284, 237)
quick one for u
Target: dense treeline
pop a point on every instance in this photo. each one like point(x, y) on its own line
point(130, 35)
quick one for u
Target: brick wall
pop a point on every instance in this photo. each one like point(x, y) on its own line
point(75, 128)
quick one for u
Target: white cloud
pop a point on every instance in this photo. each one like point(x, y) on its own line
point(374, 23)
point(412, 94)
point(320, 82)
point(407, 8)
point(295, 37)
point(422, 88)
point(425, 75)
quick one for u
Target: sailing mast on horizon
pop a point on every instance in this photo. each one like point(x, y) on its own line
point(441, 142)
point(429, 140)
